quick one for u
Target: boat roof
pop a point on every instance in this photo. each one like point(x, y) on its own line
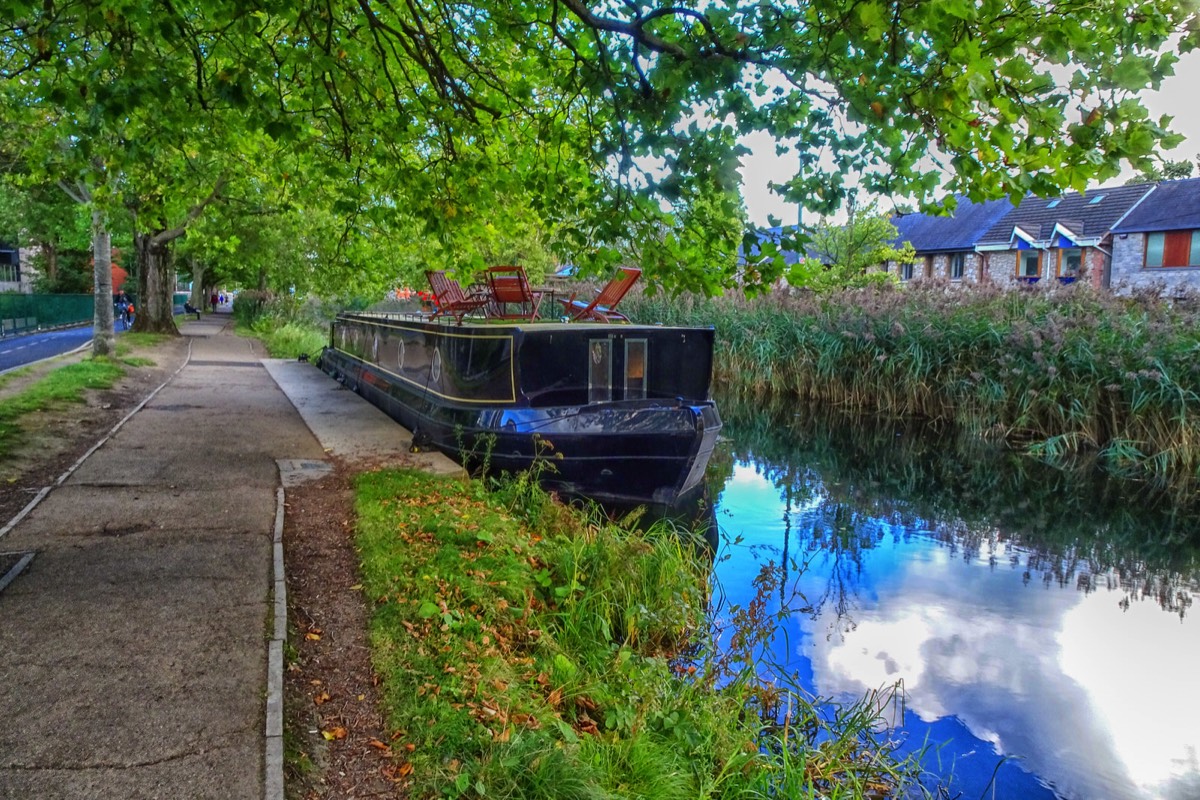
point(486, 325)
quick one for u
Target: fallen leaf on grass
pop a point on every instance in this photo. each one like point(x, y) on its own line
point(378, 745)
point(397, 774)
point(334, 733)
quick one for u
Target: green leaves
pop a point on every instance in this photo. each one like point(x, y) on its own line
point(581, 134)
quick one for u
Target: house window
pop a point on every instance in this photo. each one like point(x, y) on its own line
point(1173, 249)
point(635, 369)
point(10, 267)
point(599, 370)
point(958, 266)
point(1029, 264)
point(906, 271)
point(1070, 260)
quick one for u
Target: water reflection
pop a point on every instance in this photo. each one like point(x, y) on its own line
point(1038, 620)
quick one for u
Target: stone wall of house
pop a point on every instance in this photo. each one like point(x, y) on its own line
point(1095, 261)
point(1001, 268)
point(938, 266)
point(1129, 271)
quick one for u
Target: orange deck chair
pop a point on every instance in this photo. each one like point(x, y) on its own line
point(450, 298)
point(603, 307)
point(512, 297)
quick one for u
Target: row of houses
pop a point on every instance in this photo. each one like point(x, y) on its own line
point(1119, 238)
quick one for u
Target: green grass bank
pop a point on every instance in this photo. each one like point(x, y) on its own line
point(528, 650)
point(59, 388)
point(1064, 373)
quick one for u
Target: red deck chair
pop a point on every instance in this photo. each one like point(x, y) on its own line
point(603, 307)
point(450, 298)
point(511, 295)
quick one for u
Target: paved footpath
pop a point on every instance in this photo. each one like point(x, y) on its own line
point(134, 648)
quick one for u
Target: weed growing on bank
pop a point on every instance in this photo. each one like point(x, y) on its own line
point(59, 388)
point(287, 327)
point(1063, 372)
point(528, 650)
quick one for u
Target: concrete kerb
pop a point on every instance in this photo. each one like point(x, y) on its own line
point(273, 788)
point(292, 472)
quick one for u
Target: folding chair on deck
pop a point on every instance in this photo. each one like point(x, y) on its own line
point(450, 298)
point(511, 295)
point(603, 307)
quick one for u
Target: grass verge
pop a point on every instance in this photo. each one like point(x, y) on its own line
point(59, 388)
point(526, 650)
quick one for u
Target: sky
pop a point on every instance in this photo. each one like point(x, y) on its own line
point(1178, 98)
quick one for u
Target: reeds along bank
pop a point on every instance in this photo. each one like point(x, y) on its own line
point(1066, 372)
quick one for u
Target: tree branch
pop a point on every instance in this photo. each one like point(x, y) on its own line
point(162, 237)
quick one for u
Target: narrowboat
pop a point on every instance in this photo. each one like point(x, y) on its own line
point(614, 413)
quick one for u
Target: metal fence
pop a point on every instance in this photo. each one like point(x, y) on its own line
point(20, 313)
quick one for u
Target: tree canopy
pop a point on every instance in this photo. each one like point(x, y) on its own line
point(440, 132)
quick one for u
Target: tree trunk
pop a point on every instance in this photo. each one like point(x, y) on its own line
point(51, 253)
point(199, 298)
point(156, 285)
point(103, 340)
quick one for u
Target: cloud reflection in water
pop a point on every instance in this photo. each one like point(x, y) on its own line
point(1094, 700)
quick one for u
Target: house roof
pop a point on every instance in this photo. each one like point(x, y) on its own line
point(959, 231)
point(1090, 215)
point(1174, 205)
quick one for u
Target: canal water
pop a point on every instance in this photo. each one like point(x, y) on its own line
point(1038, 623)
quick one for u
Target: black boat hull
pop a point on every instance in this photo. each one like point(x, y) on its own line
point(617, 449)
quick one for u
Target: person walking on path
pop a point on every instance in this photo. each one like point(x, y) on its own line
point(213, 302)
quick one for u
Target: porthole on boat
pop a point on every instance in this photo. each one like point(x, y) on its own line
point(435, 369)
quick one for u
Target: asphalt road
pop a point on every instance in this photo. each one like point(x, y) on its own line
point(17, 351)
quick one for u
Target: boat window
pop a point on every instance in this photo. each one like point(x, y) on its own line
point(599, 370)
point(635, 369)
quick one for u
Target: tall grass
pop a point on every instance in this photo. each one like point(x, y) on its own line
point(1060, 371)
point(526, 650)
point(288, 327)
